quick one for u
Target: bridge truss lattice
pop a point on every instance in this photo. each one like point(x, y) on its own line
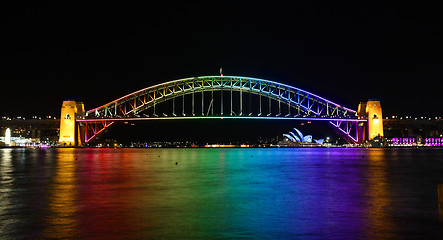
point(221, 96)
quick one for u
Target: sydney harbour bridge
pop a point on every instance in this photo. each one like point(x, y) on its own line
point(214, 97)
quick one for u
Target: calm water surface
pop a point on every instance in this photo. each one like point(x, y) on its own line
point(220, 193)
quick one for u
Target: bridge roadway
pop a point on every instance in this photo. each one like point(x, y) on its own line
point(218, 117)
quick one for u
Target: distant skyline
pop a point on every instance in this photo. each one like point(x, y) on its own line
point(96, 53)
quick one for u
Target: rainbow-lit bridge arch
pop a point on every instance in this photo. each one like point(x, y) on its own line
point(221, 97)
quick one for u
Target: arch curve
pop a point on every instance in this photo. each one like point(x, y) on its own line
point(136, 102)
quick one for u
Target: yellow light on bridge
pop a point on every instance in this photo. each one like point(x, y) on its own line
point(374, 113)
point(375, 120)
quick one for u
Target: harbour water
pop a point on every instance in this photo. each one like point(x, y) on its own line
point(237, 193)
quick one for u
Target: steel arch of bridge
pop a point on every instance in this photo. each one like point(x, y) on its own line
point(307, 106)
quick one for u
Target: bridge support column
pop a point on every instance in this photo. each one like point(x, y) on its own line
point(70, 130)
point(372, 111)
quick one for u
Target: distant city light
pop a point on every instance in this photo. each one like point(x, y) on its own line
point(8, 137)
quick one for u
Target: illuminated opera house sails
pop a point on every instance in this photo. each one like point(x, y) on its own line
point(299, 138)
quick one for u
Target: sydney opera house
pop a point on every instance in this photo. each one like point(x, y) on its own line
point(297, 137)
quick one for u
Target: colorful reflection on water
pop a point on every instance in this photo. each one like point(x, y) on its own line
point(220, 193)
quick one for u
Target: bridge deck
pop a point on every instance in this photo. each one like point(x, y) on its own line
point(222, 117)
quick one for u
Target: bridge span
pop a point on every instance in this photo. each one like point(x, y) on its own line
point(215, 97)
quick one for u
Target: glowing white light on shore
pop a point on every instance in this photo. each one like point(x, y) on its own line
point(8, 137)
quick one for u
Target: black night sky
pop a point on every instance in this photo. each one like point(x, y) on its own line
point(97, 52)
